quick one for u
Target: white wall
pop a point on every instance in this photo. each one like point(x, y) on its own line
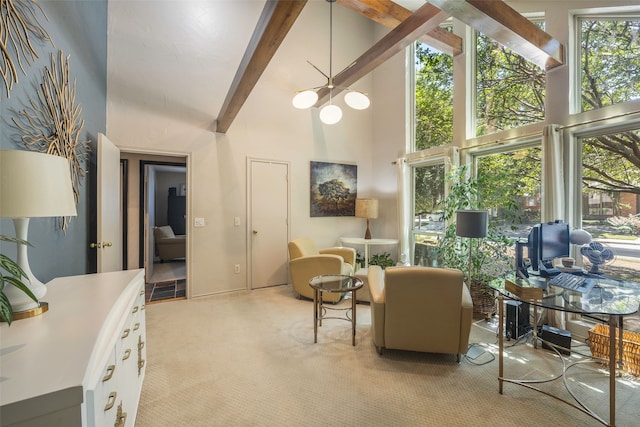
point(266, 127)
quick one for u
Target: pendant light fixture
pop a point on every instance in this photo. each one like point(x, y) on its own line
point(330, 114)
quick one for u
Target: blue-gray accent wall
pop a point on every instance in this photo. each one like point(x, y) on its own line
point(79, 29)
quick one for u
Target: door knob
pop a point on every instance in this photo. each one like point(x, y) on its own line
point(107, 244)
point(95, 245)
point(255, 231)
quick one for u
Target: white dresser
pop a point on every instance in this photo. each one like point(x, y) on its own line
point(81, 363)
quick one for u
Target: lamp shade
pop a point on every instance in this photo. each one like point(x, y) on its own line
point(367, 208)
point(305, 99)
point(35, 184)
point(330, 114)
point(470, 223)
point(580, 237)
point(357, 100)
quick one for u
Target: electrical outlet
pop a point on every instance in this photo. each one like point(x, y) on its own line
point(237, 268)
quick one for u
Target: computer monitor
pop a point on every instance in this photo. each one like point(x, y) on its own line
point(546, 242)
point(554, 241)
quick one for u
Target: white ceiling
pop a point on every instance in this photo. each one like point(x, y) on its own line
point(172, 43)
point(169, 43)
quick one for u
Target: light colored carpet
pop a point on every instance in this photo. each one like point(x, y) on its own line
point(248, 359)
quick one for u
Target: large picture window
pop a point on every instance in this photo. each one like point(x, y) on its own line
point(513, 176)
point(510, 90)
point(433, 97)
point(428, 196)
point(609, 60)
point(611, 198)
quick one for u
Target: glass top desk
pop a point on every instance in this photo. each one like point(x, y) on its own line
point(609, 298)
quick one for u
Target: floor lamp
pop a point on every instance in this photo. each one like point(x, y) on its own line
point(32, 185)
point(367, 208)
point(474, 225)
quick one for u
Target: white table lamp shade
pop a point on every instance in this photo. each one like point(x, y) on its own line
point(32, 185)
point(35, 185)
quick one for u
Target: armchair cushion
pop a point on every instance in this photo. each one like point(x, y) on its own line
point(306, 261)
point(168, 244)
point(420, 309)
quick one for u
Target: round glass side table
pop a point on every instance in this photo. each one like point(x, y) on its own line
point(336, 283)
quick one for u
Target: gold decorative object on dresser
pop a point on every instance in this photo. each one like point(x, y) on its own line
point(81, 363)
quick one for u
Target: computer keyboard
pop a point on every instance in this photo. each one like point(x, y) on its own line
point(573, 282)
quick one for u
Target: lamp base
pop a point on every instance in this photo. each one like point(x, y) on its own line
point(33, 312)
point(367, 234)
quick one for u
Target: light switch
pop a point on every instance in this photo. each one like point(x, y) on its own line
point(236, 221)
point(198, 222)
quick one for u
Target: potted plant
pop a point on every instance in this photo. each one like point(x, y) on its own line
point(11, 274)
point(384, 260)
point(490, 257)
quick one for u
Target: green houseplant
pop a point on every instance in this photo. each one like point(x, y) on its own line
point(490, 256)
point(384, 260)
point(11, 274)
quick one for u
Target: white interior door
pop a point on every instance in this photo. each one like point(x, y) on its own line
point(268, 223)
point(109, 233)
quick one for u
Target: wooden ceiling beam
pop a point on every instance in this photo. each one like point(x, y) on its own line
point(425, 19)
point(391, 14)
point(276, 20)
point(506, 26)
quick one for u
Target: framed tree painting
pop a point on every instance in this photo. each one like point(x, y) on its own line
point(333, 188)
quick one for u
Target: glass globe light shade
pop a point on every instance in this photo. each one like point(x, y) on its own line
point(331, 114)
point(357, 100)
point(305, 99)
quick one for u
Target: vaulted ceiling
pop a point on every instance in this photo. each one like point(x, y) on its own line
point(493, 18)
point(251, 32)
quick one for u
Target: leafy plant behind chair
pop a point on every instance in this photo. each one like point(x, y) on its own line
point(490, 256)
point(384, 260)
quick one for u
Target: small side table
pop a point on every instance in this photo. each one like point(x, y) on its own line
point(339, 284)
point(366, 243)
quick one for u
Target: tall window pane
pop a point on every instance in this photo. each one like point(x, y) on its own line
point(428, 195)
point(511, 182)
point(610, 60)
point(434, 98)
point(611, 199)
point(510, 89)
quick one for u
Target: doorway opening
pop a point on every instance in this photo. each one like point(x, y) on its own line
point(157, 223)
point(164, 189)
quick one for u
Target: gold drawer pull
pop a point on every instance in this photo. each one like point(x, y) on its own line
point(136, 326)
point(111, 401)
point(110, 370)
point(140, 345)
point(126, 333)
point(121, 417)
point(140, 366)
point(135, 309)
point(127, 353)
point(142, 307)
point(141, 292)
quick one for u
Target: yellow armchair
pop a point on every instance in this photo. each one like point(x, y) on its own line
point(420, 309)
point(307, 261)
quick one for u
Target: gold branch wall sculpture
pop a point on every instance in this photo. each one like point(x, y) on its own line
point(19, 23)
point(53, 124)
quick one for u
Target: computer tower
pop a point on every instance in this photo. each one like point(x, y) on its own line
point(517, 323)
